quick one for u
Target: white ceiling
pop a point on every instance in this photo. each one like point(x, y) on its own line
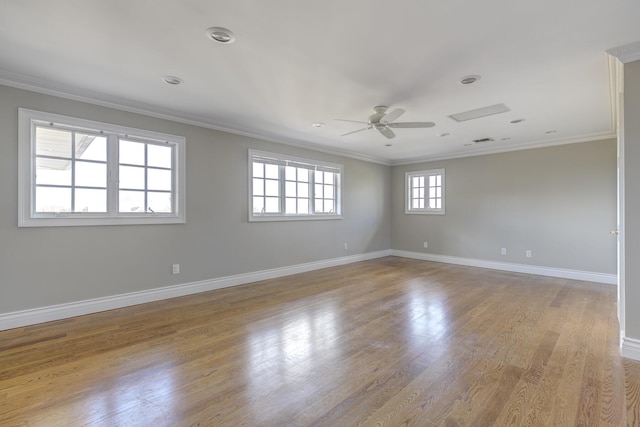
point(297, 62)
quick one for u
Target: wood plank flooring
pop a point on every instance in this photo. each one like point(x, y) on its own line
point(387, 342)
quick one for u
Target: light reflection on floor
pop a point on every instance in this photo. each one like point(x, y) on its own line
point(284, 354)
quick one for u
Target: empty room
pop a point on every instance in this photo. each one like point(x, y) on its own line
point(331, 213)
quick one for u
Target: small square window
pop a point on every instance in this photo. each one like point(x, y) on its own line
point(424, 192)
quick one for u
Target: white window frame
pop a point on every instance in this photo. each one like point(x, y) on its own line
point(408, 192)
point(313, 165)
point(28, 217)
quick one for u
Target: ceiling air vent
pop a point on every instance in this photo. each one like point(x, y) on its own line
point(482, 140)
point(480, 112)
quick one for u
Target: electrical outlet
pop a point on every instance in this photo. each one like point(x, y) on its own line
point(426, 245)
point(175, 269)
point(503, 251)
point(528, 253)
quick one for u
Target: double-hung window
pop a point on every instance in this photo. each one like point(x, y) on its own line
point(285, 187)
point(81, 172)
point(424, 192)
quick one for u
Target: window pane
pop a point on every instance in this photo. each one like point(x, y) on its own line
point(91, 175)
point(290, 189)
point(131, 152)
point(258, 204)
point(303, 206)
point(438, 179)
point(303, 175)
point(272, 188)
point(416, 193)
point(50, 199)
point(131, 201)
point(53, 142)
point(328, 206)
point(258, 170)
point(271, 171)
point(318, 190)
point(290, 173)
point(90, 200)
point(328, 191)
point(91, 147)
point(421, 204)
point(159, 155)
point(438, 204)
point(303, 189)
point(258, 187)
point(131, 177)
point(290, 206)
point(319, 178)
point(159, 202)
point(432, 181)
point(159, 179)
point(271, 205)
point(328, 177)
point(53, 172)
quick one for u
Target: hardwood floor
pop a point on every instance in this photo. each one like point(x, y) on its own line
point(386, 342)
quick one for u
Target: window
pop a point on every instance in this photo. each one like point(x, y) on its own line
point(425, 192)
point(80, 172)
point(284, 188)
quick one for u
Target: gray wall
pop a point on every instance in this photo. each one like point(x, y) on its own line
point(632, 197)
point(559, 202)
point(47, 266)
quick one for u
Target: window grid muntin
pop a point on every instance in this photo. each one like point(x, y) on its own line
point(73, 161)
point(145, 188)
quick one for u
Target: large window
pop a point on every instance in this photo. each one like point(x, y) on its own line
point(80, 172)
point(284, 187)
point(424, 192)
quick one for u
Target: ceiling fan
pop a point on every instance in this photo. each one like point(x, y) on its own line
point(384, 122)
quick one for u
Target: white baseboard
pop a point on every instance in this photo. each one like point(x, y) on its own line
point(589, 276)
point(630, 348)
point(18, 319)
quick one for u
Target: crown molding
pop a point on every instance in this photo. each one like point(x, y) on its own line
point(506, 149)
point(626, 53)
point(90, 97)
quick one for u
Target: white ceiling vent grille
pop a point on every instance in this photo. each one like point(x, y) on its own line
point(480, 112)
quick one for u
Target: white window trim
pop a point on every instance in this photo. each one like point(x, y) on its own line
point(26, 175)
point(293, 217)
point(407, 192)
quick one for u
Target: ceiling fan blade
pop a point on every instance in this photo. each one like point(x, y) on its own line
point(356, 131)
point(412, 125)
point(386, 132)
point(352, 121)
point(389, 117)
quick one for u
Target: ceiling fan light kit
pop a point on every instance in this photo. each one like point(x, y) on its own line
point(383, 122)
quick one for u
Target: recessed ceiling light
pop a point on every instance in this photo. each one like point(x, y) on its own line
point(388, 145)
point(444, 134)
point(517, 121)
point(172, 80)
point(551, 131)
point(468, 145)
point(505, 139)
point(221, 35)
point(467, 80)
point(318, 125)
